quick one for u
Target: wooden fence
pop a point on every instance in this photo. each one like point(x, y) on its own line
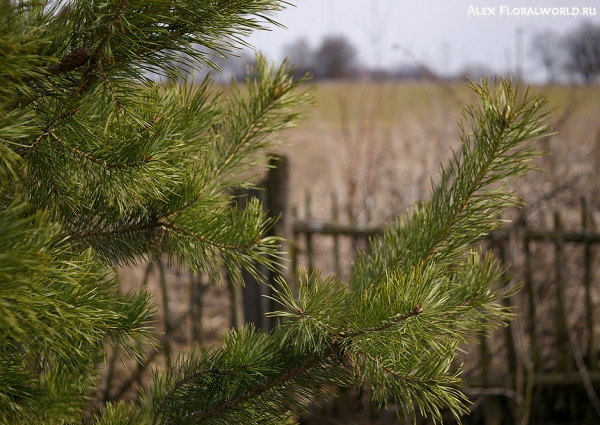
point(542, 367)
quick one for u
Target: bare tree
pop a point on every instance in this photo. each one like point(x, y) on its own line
point(301, 57)
point(583, 52)
point(230, 66)
point(234, 66)
point(546, 50)
point(335, 58)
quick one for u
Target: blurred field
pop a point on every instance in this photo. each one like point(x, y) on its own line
point(380, 143)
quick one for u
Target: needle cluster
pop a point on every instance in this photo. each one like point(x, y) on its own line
point(100, 166)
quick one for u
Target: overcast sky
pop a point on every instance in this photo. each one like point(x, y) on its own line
point(445, 35)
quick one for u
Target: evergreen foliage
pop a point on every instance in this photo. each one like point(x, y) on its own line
point(424, 288)
point(100, 166)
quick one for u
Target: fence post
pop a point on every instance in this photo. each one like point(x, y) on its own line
point(247, 303)
point(196, 293)
point(528, 283)
point(238, 315)
point(508, 337)
point(562, 336)
point(166, 311)
point(335, 216)
point(587, 281)
point(565, 400)
point(250, 303)
point(511, 351)
point(534, 365)
point(294, 251)
point(237, 292)
point(277, 186)
point(489, 404)
point(307, 217)
point(521, 362)
point(597, 149)
point(367, 207)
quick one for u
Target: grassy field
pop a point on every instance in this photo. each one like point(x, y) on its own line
point(379, 145)
point(385, 140)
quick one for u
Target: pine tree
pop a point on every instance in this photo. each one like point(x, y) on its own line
point(101, 167)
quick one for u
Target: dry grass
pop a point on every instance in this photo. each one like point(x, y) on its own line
point(400, 132)
point(378, 145)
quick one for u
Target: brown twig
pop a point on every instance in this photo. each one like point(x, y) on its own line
point(416, 311)
point(51, 124)
point(288, 375)
point(403, 377)
point(183, 207)
point(201, 238)
point(337, 348)
point(99, 161)
point(160, 224)
point(191, 377)
point(111, 88)
point(137, 227)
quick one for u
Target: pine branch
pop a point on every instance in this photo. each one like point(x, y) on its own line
point(110, 86)
point(336, 349)
point(426, 267)
point(187, 380)
point(191, 22)
point(501, 125)
point(120, 169)
point(99, 161)
point(413, 379)
point(239, 247)
point(158, 224)
point(53, 311)
point(125, 169)
point(258, 391)
point(73, 60)
point(51, 124)
point(399, 318)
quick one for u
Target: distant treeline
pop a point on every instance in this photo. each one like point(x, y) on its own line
point(570, 58)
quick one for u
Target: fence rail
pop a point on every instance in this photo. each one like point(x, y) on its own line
point(545, 360)
point(533, 372)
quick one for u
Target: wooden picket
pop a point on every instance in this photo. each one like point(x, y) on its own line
point(533, 365)
point(528, 372)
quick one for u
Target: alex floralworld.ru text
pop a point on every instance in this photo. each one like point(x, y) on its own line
point(531, 11)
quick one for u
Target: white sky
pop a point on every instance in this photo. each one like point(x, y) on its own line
point(439, 33)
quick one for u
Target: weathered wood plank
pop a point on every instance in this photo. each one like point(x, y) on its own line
point(557, 379)
point(329, 228)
